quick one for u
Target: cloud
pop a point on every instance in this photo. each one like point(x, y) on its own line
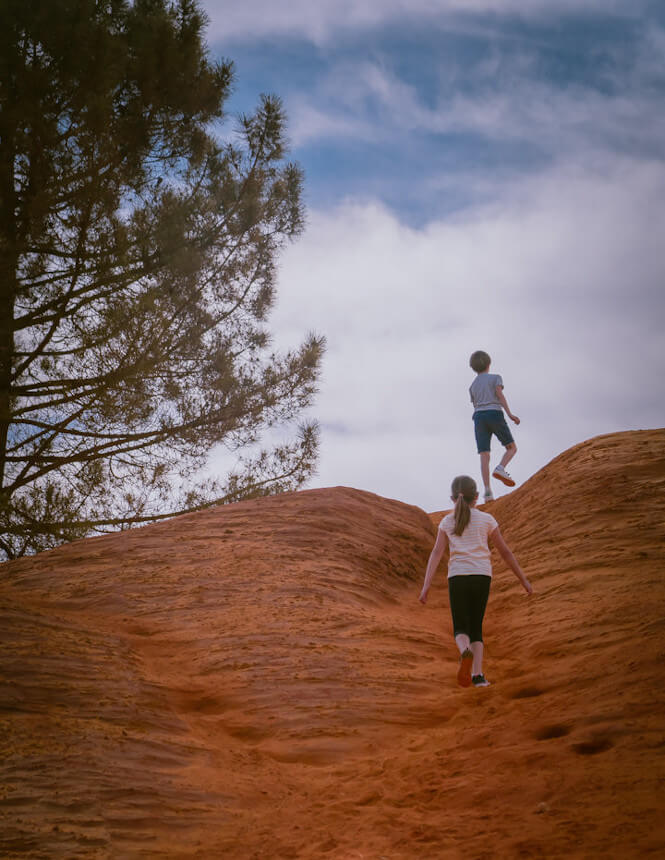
point(560, 279)
point(368, 101)
point(398, 111)
point(319, 21)
point(308, 122)
point(532, 167)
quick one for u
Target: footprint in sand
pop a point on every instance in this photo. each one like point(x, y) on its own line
point(594, 746)
point(546, 733)
point(526, 693)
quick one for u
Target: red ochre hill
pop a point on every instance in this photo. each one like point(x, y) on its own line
point(260, 681)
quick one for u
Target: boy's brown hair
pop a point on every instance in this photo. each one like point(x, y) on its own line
point(480, 361)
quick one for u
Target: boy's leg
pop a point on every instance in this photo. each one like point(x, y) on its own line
point(485, 468)
point(511, 450)
point(483, 441)
point(506, 438)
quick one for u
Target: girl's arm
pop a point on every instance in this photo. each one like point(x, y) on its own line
point(497, 539)
point(439, 549)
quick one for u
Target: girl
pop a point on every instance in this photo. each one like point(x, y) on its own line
point(468, 533)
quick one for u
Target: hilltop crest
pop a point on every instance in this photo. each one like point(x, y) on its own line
point(259, 680)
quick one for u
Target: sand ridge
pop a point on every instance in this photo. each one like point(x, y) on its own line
point(259, 680)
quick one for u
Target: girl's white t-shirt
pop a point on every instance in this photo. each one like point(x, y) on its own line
point(469, 552)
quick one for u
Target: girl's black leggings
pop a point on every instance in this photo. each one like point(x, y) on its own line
point(468, 599)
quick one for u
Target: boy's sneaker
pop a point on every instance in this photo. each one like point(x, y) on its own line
point(501, 475)
point(464, 671)
point(489, 496)
point(480, 681)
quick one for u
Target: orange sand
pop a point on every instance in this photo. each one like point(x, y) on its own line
point(260, 681)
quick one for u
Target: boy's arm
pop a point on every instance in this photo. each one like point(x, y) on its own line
point(502, 400)
point(439, 549)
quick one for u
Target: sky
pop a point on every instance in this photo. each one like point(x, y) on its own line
point(479, 174)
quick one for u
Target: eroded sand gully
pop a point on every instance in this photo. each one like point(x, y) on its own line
point(259, 680)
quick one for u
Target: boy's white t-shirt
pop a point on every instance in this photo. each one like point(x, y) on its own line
point(469, 552)
point(483, 391)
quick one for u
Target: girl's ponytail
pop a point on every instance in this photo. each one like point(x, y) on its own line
point(464, 492)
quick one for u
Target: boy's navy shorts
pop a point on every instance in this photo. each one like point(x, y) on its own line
point(488, 423)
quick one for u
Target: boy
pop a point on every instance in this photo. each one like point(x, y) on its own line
point(488, 403)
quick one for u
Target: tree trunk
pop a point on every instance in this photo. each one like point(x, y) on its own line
point(8, 281)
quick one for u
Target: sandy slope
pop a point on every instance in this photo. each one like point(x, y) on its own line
point(259, 680)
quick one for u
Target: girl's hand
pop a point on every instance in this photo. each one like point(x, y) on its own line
point(527, 586)
point(423, 597)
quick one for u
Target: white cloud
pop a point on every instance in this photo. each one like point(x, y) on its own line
point(367, 101)
point(320, 20)
point(560, 279)
point(560, 276)
point(308, 122)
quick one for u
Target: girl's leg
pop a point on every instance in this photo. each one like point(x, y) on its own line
point(463, 642)
point(458, 595)
point(465, 668)
point(480, 593)
point(477, 651)
point(460, 605)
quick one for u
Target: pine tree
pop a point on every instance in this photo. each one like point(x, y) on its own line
point(138, 244)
